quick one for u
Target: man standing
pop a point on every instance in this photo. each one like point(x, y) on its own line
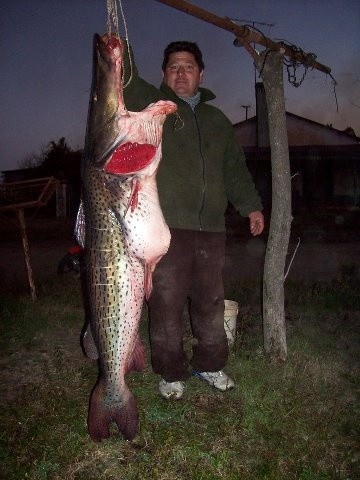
point(202, 168)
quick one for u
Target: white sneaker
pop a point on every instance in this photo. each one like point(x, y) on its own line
point(218, 380)
point(171, 390)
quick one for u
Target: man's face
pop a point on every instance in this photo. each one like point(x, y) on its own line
point(182, 74)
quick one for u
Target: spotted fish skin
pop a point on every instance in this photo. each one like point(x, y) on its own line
point(125, 234)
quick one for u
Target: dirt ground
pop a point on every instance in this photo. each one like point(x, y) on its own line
point(314, 259)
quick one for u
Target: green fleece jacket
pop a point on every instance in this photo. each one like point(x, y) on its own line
point(202, 166)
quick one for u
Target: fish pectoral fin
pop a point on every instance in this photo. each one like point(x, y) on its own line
point(134, 199)
point(134, 196)
point(149, 268)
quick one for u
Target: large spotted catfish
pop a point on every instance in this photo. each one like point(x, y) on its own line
point(125, 233)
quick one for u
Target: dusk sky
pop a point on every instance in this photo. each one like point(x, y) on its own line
point(46, 61)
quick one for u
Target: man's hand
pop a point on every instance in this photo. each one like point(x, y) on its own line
point(256, 222)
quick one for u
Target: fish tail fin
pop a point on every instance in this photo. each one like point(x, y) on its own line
point(126, 418)
point(137, 359)
point(100, 416)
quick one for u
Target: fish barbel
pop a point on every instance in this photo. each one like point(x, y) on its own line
point(125, 233)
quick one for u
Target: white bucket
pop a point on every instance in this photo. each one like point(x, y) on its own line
point(231, 311)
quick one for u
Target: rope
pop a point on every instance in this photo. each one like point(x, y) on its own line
point(112, 17)
point(334, 82)
point(113, 28)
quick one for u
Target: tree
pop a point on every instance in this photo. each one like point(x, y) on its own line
point(32, 160)
point(55, 158)
point(58, 160)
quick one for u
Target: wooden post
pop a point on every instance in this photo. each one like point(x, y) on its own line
point(270, 66)
point(21, 218)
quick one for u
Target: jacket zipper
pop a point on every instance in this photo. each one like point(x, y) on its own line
point(203, 174)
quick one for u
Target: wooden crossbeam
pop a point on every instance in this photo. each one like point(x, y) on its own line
point(245, 34)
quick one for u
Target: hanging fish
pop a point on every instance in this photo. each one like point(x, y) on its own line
point(125, 233)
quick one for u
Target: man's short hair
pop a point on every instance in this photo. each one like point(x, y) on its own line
point(183, 46)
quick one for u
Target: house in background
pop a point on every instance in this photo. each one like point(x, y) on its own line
point(324, 162)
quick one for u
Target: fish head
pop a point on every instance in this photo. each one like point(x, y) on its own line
point(118, 141)
point(109, 47)
point(106, 98)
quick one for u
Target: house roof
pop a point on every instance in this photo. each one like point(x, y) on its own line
point(348, 132)
point(330, 152)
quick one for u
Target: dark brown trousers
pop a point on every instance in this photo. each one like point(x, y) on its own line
point(192, 269)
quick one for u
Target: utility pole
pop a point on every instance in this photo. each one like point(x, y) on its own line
point(246, 110)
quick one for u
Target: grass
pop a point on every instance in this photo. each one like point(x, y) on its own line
point(297, 421)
